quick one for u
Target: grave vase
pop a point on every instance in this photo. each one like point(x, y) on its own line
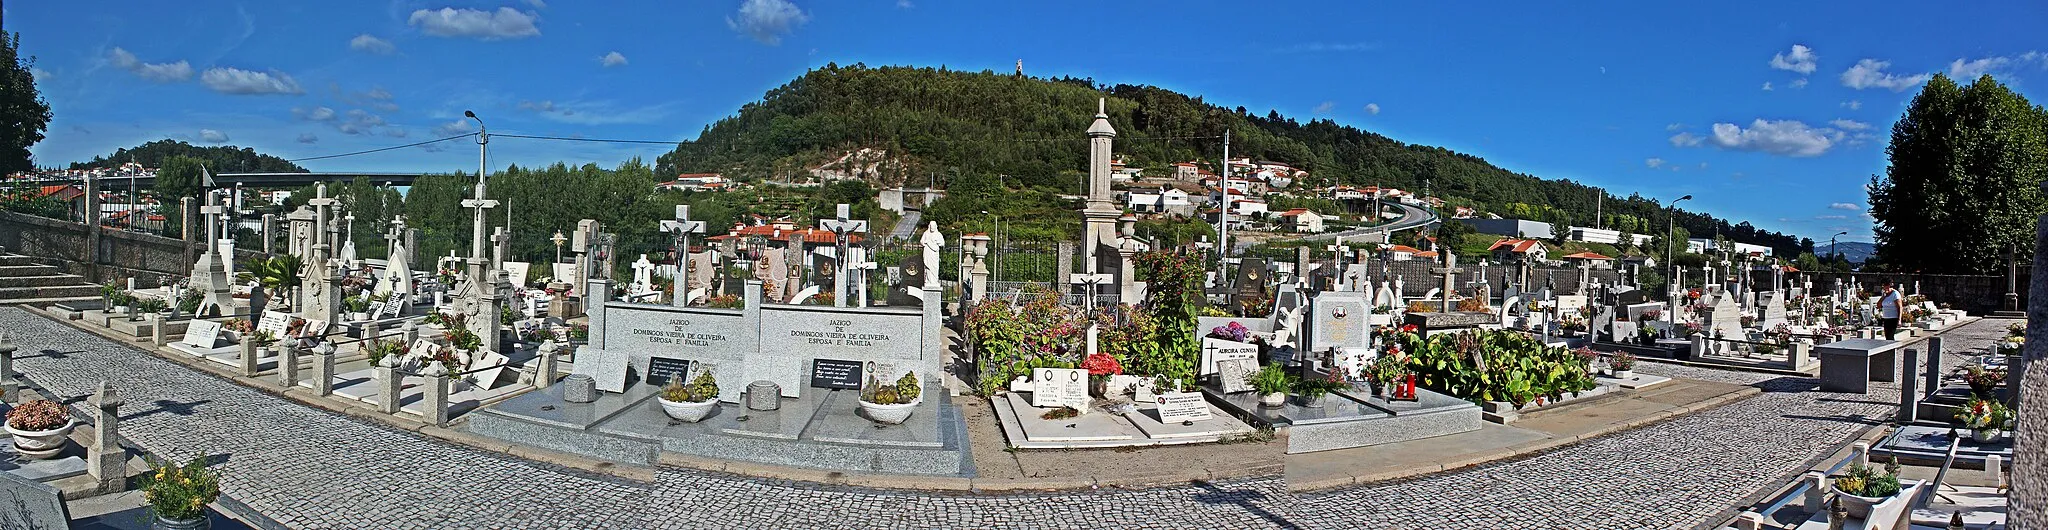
point(1985, 436)
point(1316, 401)
point(1273, 400)
point(41, 445)
point(688, 411)
point(889, 414)
point(201, 523)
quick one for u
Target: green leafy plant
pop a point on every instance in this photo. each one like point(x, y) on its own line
point(378, 349)
point(1059, 414)
point(1866, 481)
point(355, 304)
point(189, 302)
point(579, 331)
point(703, 388)
point(1172, 295)
point(1621, 361)
point(436, 318)
point(1493, 365)
point(1271, 379)
point(151, 305)
point(907, 387)
point(262, 337)
point(507, 314)
point(1983, 383)
point(1985, 415)
point(277, 274)
point(1312, 388)
point(890, 394)
point(463, 339)
point(180, 493)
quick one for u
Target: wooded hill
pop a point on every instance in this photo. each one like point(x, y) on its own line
point(943, 126)
point(218, 159)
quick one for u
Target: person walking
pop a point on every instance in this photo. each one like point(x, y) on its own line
point(1888, 310)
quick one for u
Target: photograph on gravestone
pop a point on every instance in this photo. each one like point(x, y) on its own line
point(661, 369)
point(838, 374)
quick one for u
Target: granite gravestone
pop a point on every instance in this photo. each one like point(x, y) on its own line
point(274, 323)
point(1060, 387)
point(1337, 319)
point(660, 370)
point(1235, 375)
point(907, 290)
point(607, 367)
point(1215, 350)
point(837, 374)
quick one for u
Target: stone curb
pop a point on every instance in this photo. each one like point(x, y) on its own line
point(1514, 451)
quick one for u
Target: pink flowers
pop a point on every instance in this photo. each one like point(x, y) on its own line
point(1102, 364)
point(1233, 331)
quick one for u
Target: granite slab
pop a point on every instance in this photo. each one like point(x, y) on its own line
point(1634, 382)
point(786, 422)
point(69, 463)
point(840, 422)
point(1095, 426)
point(546, 407)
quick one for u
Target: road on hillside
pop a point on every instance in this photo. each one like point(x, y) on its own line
point(906, 226)
point(1411, 217)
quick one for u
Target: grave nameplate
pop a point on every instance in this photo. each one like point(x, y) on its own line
point(1235, 375)
point(660, 369)
point(1215, 350)
point(838, 374)
point(1182, 406)
point(606, 366)
point(1060, 387)
point(516, 272)
point(202, 334)
point(390, 307)
point(313, 329)
point(274, 323)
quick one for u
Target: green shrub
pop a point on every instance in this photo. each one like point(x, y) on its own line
point(1494, 365)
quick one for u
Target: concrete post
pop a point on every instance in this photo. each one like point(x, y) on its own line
point(106, 461)
point(287, 363)
point(1933, 367)
point(1799, 353)
point(388, 384)
point(323, 370)
point(434, 405)
point(158, 335)
point(548, 370)
point(249, 355)
point(1816, 491)
point(1748, 520)
point(1859, 454)
point(91, 218)
point(10, 387)
point(1994, 469)
point(1699, 345)
point(1909, 397)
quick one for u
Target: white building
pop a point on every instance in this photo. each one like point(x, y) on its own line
point(1300, 220)
point(1163, 200)
point(1700, 245)
point(1599, 235)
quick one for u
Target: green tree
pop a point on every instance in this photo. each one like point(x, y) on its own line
point(1963, 184)
point(23, 113)
point(178, 177)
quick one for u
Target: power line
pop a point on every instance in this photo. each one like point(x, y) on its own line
point(416, 144)
point(602, 140)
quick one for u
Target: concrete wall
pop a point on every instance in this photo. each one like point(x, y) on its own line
point(121, 254)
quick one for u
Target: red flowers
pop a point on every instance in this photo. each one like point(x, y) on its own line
point(1409, 328)
point(1101, 364)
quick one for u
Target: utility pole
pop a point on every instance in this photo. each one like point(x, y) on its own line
point(1223, 227)
point(1670, 232)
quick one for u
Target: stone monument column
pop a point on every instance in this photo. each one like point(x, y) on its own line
point(1099, 217)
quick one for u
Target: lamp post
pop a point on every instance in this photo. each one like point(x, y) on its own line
point(1670, 232)
point(483, 140)
point(1832, 249)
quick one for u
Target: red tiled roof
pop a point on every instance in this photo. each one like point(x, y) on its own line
point(1404, 248)
point(1518, 246)
point(1586, 255)
point(1294, 212)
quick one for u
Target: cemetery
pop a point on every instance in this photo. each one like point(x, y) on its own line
point(788, 343)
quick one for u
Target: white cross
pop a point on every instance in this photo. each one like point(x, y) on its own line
point(682, 227)
point(842, 226)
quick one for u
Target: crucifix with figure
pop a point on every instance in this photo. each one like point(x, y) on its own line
point(843, 227)
point(682, 227)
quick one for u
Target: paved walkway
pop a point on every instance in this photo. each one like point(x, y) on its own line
point(308, 468)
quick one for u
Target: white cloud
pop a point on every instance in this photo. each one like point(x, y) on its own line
point(1785, 137)
point(1869, 73)
point(1654, 162)
point(1767, 86)
point(452, 128)
point(1686, 139)
point(1674, 127)
point(1846, 206)
point(212, 136)
point(1830, 217)
point(537, 4)
point(505, 23)
point(359, 121)
point(158, 72)
point(904, 4)
point(1325, 107)
point(1848, 125)
point(1799, 83)
point(612, 59)
point(1801, 59)
point(371, 44)
point(395, 132)
point(307, 138)
point(767, 20)
point(1852, 104)
point(538, 106)
point(600, 112)
point(1968, 70)
point(243, 82)
point(1372, 108)
point(1703, 165)
point(314, 114)
point(41, 74)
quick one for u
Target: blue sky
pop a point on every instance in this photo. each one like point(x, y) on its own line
point(1662, 99)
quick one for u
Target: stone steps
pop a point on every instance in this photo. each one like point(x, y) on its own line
point(23, 281)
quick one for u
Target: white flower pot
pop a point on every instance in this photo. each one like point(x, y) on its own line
point(1273, 400)
point(692, 412)
point(1859, 507)
point(1985, 436)
point(890, 414)
point(41, 445)
point(1624, 374)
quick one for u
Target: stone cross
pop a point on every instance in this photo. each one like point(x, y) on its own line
point(682, 226)
point(1337, 252)
point(1450, 272)
point(643, 278)
point(843, 227)
point(501, 246)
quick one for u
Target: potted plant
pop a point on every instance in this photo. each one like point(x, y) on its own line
point(1984, 383)
point(1986, 418)
point(692, 402)
point(891, 404)
point(378, 349)
point(357, 308)
point(1865, 488)
point(1622, 365)
point(1271, 383)
point(150, 306)
point(1100, 367)
point(178, 495)
point(233, 328)
point(1314, 390)
point(39, 428)
point(579, 333)
point(1386, 371)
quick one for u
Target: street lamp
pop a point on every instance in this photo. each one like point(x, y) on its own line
point(1832, 249)
point(483, 139)
point(1670, 232)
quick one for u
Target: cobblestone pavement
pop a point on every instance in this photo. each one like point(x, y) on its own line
point(309, 468)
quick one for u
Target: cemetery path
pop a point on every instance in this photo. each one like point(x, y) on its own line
point(308, 468)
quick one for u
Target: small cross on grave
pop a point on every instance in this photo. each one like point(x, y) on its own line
point(843, 227)
point(1450, 272)
point(682, 227)
point(1338, 253)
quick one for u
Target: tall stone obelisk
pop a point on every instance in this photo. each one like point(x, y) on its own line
point(1099, 216)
